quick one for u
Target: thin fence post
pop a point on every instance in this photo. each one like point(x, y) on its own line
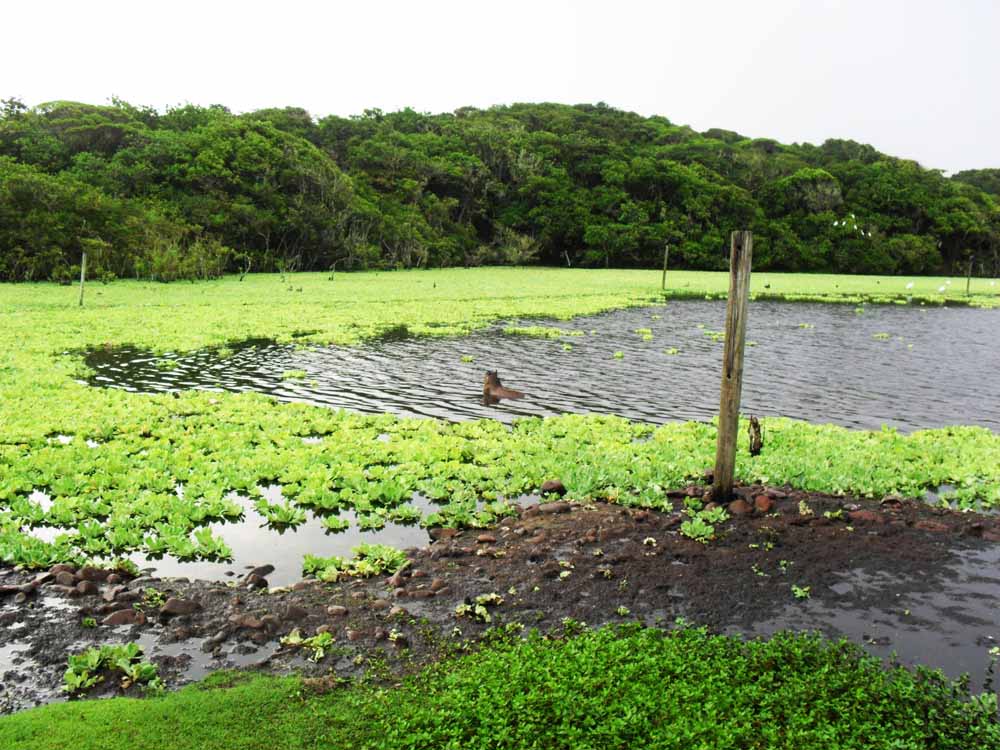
point(740, 255)
point(83, 274)
point(666, 259)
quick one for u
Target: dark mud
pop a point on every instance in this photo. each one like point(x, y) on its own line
point(897, 576)
point(903, 366)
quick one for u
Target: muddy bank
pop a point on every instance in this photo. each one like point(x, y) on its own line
point(894, 576)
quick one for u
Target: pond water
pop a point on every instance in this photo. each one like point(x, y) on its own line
point(903, 366)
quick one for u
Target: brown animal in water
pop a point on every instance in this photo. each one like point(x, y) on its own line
point(493, 389)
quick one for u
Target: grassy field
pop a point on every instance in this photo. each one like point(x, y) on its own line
point(612, 688)
point(113, 483)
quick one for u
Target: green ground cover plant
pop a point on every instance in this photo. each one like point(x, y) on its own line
point(618, 687)
point(131, 472)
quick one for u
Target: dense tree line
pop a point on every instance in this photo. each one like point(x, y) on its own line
point(196, 191)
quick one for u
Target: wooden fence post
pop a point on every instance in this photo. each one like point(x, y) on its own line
point(666, 258)
point(83, 275)
point(740, 252)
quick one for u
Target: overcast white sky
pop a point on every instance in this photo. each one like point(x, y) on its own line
point(915, 78)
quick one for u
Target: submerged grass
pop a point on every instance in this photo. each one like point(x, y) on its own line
point(624, 687)
point(112, 461)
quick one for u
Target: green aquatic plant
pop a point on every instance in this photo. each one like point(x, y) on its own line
point(317, 645)
point(468, 358)
point(548, 332)
point(369, 560)
point(87, 669)
point(293, 375)
point(700, 525)
point(477, 608)
point(618, 355)
point(163, 474)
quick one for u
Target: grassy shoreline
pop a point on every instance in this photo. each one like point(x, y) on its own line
point(610, 688)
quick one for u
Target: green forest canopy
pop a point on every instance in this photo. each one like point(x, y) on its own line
point(197, 191)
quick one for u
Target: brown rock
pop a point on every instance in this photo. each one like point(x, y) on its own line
point(125, 617)
point(740, 508)
point(263, 571)
point(379, 604)
point(87, 588)
point(443, 591)
point(763, 504)
point(354, 635)
point(110, 594)
point(20, 597)
point(127, 597)
point(65, 578)
point(438, 583)
point(418, 574)
point(866, 516)
point(41, 579)
point(553, 486)
point(486, 539)
point(255, 581)
point(324, 628)
point(442, 532)
point(300, 585)
point(113, 579)
point(395, 581)
point(335, 610)
point(927, 525)
point(398, 611)
point(421, 594)
point(61, 568)
point(246, 621)
point(271, 622)
point(294, 613)
point(399, 593)
point(175, 606)
point(991, 535)
point(558, 507)
point(89, 573)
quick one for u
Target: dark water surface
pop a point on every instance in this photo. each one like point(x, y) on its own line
point(903, 366)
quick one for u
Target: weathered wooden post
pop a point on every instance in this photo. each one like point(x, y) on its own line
point(666, 259)
point(83, 274)
point(740, 252)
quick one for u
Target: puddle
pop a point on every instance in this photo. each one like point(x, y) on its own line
point(951, 627)
point(928, 372)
